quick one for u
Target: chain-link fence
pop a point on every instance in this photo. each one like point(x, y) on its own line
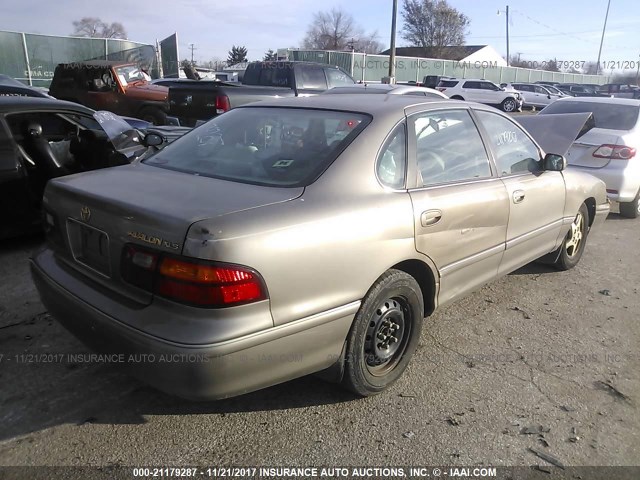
point(372, 68)
point(32, 58)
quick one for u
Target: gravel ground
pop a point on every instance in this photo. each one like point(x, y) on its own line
point(539, 359)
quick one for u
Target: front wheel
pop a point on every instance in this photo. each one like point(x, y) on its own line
point(574, 243)
point(631, 209)
point(384, 334)
point(509, 105)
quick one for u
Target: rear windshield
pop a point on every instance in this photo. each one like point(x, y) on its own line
point(280, 147)
point(606, 115)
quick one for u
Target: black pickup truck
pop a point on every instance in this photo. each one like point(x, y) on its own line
point(193, 100)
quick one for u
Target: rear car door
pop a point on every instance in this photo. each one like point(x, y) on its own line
point(472, 91)
point(536, 197)
point(461, 208)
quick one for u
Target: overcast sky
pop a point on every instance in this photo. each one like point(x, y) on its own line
point(539, 30)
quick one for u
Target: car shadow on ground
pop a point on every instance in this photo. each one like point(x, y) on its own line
point(37, 397)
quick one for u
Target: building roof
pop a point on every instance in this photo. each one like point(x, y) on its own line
point(444, 53)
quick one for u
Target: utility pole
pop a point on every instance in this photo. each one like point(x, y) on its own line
point(507, 15)
point(392, 54)
point(192, 47)
point(506, 12)
point(602, 39)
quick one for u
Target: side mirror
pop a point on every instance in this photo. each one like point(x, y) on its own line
point(554, 163)
point(549, 96)
point(153, 140)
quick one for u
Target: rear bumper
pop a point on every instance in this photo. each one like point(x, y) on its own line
point(622, 180)
point(203, 372)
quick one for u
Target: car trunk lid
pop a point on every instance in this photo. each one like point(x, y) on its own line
point(98, 213)
point(581, 152)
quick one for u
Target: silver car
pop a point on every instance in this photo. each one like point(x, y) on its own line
point(609, 149)
point(304, 235)
point(389, 89)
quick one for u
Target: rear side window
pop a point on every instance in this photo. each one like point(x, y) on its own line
point(471, 85)
point(275, 75)
point(311, 78)
point(279, 147)
point(448, 83)
point(392, 162)
point(606, 115)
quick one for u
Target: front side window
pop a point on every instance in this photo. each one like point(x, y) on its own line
point(515, 151)
point(279, 147)
point(392, 162)
point(449, 148)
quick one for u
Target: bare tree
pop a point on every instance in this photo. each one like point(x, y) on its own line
point(433, 23)
point(95, 28)
point(551, 66)
point(590, 68)
point(337, 30)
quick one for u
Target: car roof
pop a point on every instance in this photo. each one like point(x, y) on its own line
point(381, 88)
point(371, 103)
point(611, 100)
point(8, 104)
point(96, 63)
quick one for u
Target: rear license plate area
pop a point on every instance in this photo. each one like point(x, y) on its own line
point(89, 247)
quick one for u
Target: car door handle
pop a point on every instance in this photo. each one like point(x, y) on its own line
point(430, 217)
point(518, 196)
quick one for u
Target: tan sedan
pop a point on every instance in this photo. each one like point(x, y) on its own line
point(304, 235)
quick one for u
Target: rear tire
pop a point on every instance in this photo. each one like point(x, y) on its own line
point(631, 209)
point(575, 241)
point(384, 334)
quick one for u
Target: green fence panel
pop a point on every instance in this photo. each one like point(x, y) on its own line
point(12, 59)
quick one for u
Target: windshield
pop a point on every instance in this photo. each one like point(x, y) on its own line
point(285, 147)
point(553, 90)
point(131, 74)
point(606, 115)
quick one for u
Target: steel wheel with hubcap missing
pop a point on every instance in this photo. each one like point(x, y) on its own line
point(574, 243)
point(384, 334)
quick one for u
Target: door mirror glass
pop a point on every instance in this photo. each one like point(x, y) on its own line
point(554, 163)
point(153, 140)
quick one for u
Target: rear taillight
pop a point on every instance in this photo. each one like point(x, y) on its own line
point(222, 104)
point(615, 152)
point(191, 281)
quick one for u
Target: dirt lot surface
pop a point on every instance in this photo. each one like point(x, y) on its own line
point(540, 360)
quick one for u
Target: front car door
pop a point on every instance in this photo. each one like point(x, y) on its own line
point(536, 197)
point(18, 205)
point(461, 208)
